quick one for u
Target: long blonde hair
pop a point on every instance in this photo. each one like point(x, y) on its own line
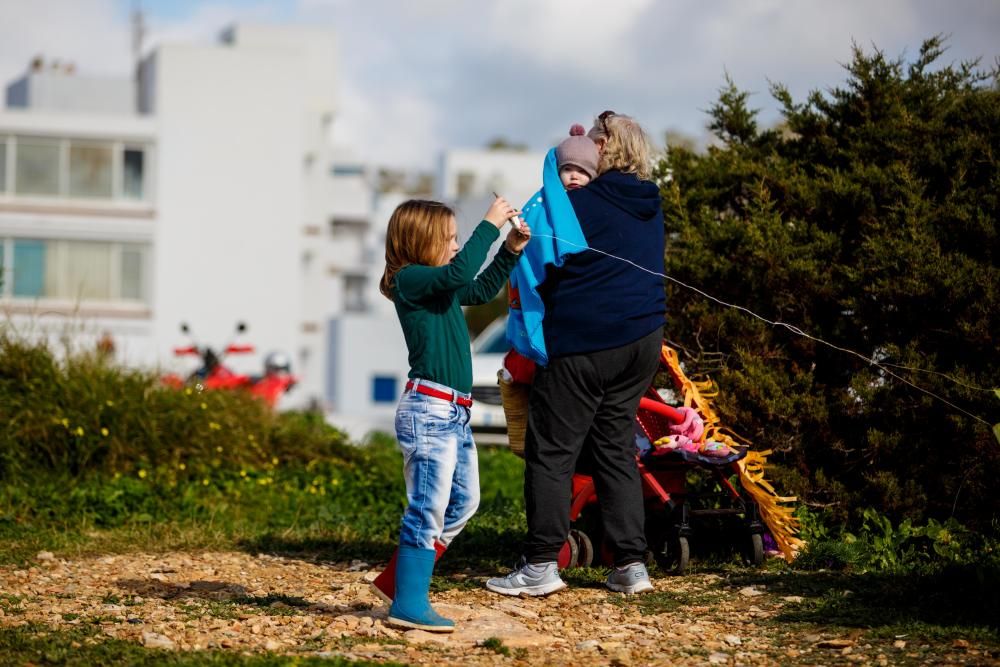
point(417, 234)
point(626, 146)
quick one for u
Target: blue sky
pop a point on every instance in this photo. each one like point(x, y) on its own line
point(417, 77)
point(178, 10)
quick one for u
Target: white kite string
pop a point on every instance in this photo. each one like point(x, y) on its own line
point(792, 328)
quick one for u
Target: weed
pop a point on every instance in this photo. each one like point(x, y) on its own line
point(496, 645)
point(11, 604)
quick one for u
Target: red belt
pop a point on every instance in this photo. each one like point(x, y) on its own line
point(443, 395)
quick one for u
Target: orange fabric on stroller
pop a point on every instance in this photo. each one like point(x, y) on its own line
point(663, 472)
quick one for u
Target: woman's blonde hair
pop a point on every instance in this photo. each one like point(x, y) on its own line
point(417, 234)
point(626, 146)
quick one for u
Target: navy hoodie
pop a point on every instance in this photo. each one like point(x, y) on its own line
point(595, 302)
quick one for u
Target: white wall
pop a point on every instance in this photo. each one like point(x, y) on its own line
point(515, 175)
point(361, 347)
point(230, 197)
point(59, 91)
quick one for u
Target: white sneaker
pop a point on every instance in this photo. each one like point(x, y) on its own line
point(630, 579)
point(533, 579)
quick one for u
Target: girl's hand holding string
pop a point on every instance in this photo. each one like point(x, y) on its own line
point(518, 238)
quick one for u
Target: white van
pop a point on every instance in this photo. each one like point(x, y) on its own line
point(489, 426)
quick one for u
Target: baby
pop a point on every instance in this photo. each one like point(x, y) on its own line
point(577, 158)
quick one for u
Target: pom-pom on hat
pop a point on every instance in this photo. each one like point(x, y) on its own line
point(578, 150)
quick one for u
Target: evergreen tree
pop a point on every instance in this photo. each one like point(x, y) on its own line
point(868, 219)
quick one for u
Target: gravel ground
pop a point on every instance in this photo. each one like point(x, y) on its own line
point(240, 602)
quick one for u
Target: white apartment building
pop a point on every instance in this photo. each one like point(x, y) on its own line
point(467, 179)
point(207, 191)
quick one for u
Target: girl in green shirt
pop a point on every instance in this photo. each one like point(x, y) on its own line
point(429, 279)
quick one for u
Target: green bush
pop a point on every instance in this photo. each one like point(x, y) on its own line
point(881, 546)
point(868, 218)
point(82, 414)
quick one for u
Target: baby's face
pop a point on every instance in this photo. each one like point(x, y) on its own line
point(573, 177)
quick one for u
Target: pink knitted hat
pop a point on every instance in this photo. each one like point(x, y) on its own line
point(578, 150)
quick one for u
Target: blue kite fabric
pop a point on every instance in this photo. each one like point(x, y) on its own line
point(549, 213)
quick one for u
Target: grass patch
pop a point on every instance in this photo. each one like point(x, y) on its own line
point(585, 577)
point(11, 604)
point(348, 642)
point(659, 602)
point(440, 584)
point(325, 510)
point(214, 608)
point(496, 645)
point(946, 602)
point(275, 602)
point(245, 605)
point(85, 647)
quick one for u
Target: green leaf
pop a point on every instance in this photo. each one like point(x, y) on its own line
point(996, 431)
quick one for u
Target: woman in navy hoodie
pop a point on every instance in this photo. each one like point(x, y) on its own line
point(603, 332)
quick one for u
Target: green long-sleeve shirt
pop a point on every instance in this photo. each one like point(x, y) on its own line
point(428, 302)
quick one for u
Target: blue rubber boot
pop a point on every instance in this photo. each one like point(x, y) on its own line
point(411, 608)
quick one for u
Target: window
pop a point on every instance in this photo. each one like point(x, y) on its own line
point(89, 171)
point(3, 164)
point(74, 270)
point(132, 171)
point(347, 170)
point(37, 166)
point(85, 270)
point(354, 294)
point(465, 181)
point(75, 168)
point(29, 268)
point(495, 343)
point(355, 227)
point(133, 286)
point(384, 389)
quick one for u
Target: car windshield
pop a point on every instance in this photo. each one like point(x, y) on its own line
point(493, 340)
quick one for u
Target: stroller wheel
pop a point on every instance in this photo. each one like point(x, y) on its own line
point(585, 548)
point(569, 553)
point(755, 551)
point(683, 555)
point(677, 554)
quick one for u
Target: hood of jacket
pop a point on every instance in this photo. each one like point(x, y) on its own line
point(640, 199)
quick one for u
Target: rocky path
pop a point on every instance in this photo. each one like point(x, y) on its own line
point(239, 602)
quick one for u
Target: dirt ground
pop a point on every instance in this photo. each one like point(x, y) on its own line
point(246, 603)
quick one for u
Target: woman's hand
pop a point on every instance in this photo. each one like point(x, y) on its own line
point(518, 238)
point(500, 212)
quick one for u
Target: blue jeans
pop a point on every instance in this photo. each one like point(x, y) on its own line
point(440, 466)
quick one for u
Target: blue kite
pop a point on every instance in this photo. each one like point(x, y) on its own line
point(550, 214)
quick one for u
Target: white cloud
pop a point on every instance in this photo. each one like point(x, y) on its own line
point(421, 76)
point(85, 32)
point(589, 39)
point(389, 128)
point(205, 23)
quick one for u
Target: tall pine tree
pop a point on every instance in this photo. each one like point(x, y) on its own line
point(869, 219)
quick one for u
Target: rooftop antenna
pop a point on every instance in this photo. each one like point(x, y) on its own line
point(138, 31)
point(138, 34)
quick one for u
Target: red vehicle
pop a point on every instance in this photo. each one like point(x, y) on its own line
point(214, 374)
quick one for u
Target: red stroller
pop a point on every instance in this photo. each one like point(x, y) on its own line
point(670, 504)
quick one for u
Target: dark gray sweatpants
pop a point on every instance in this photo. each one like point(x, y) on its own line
point(587, 401)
